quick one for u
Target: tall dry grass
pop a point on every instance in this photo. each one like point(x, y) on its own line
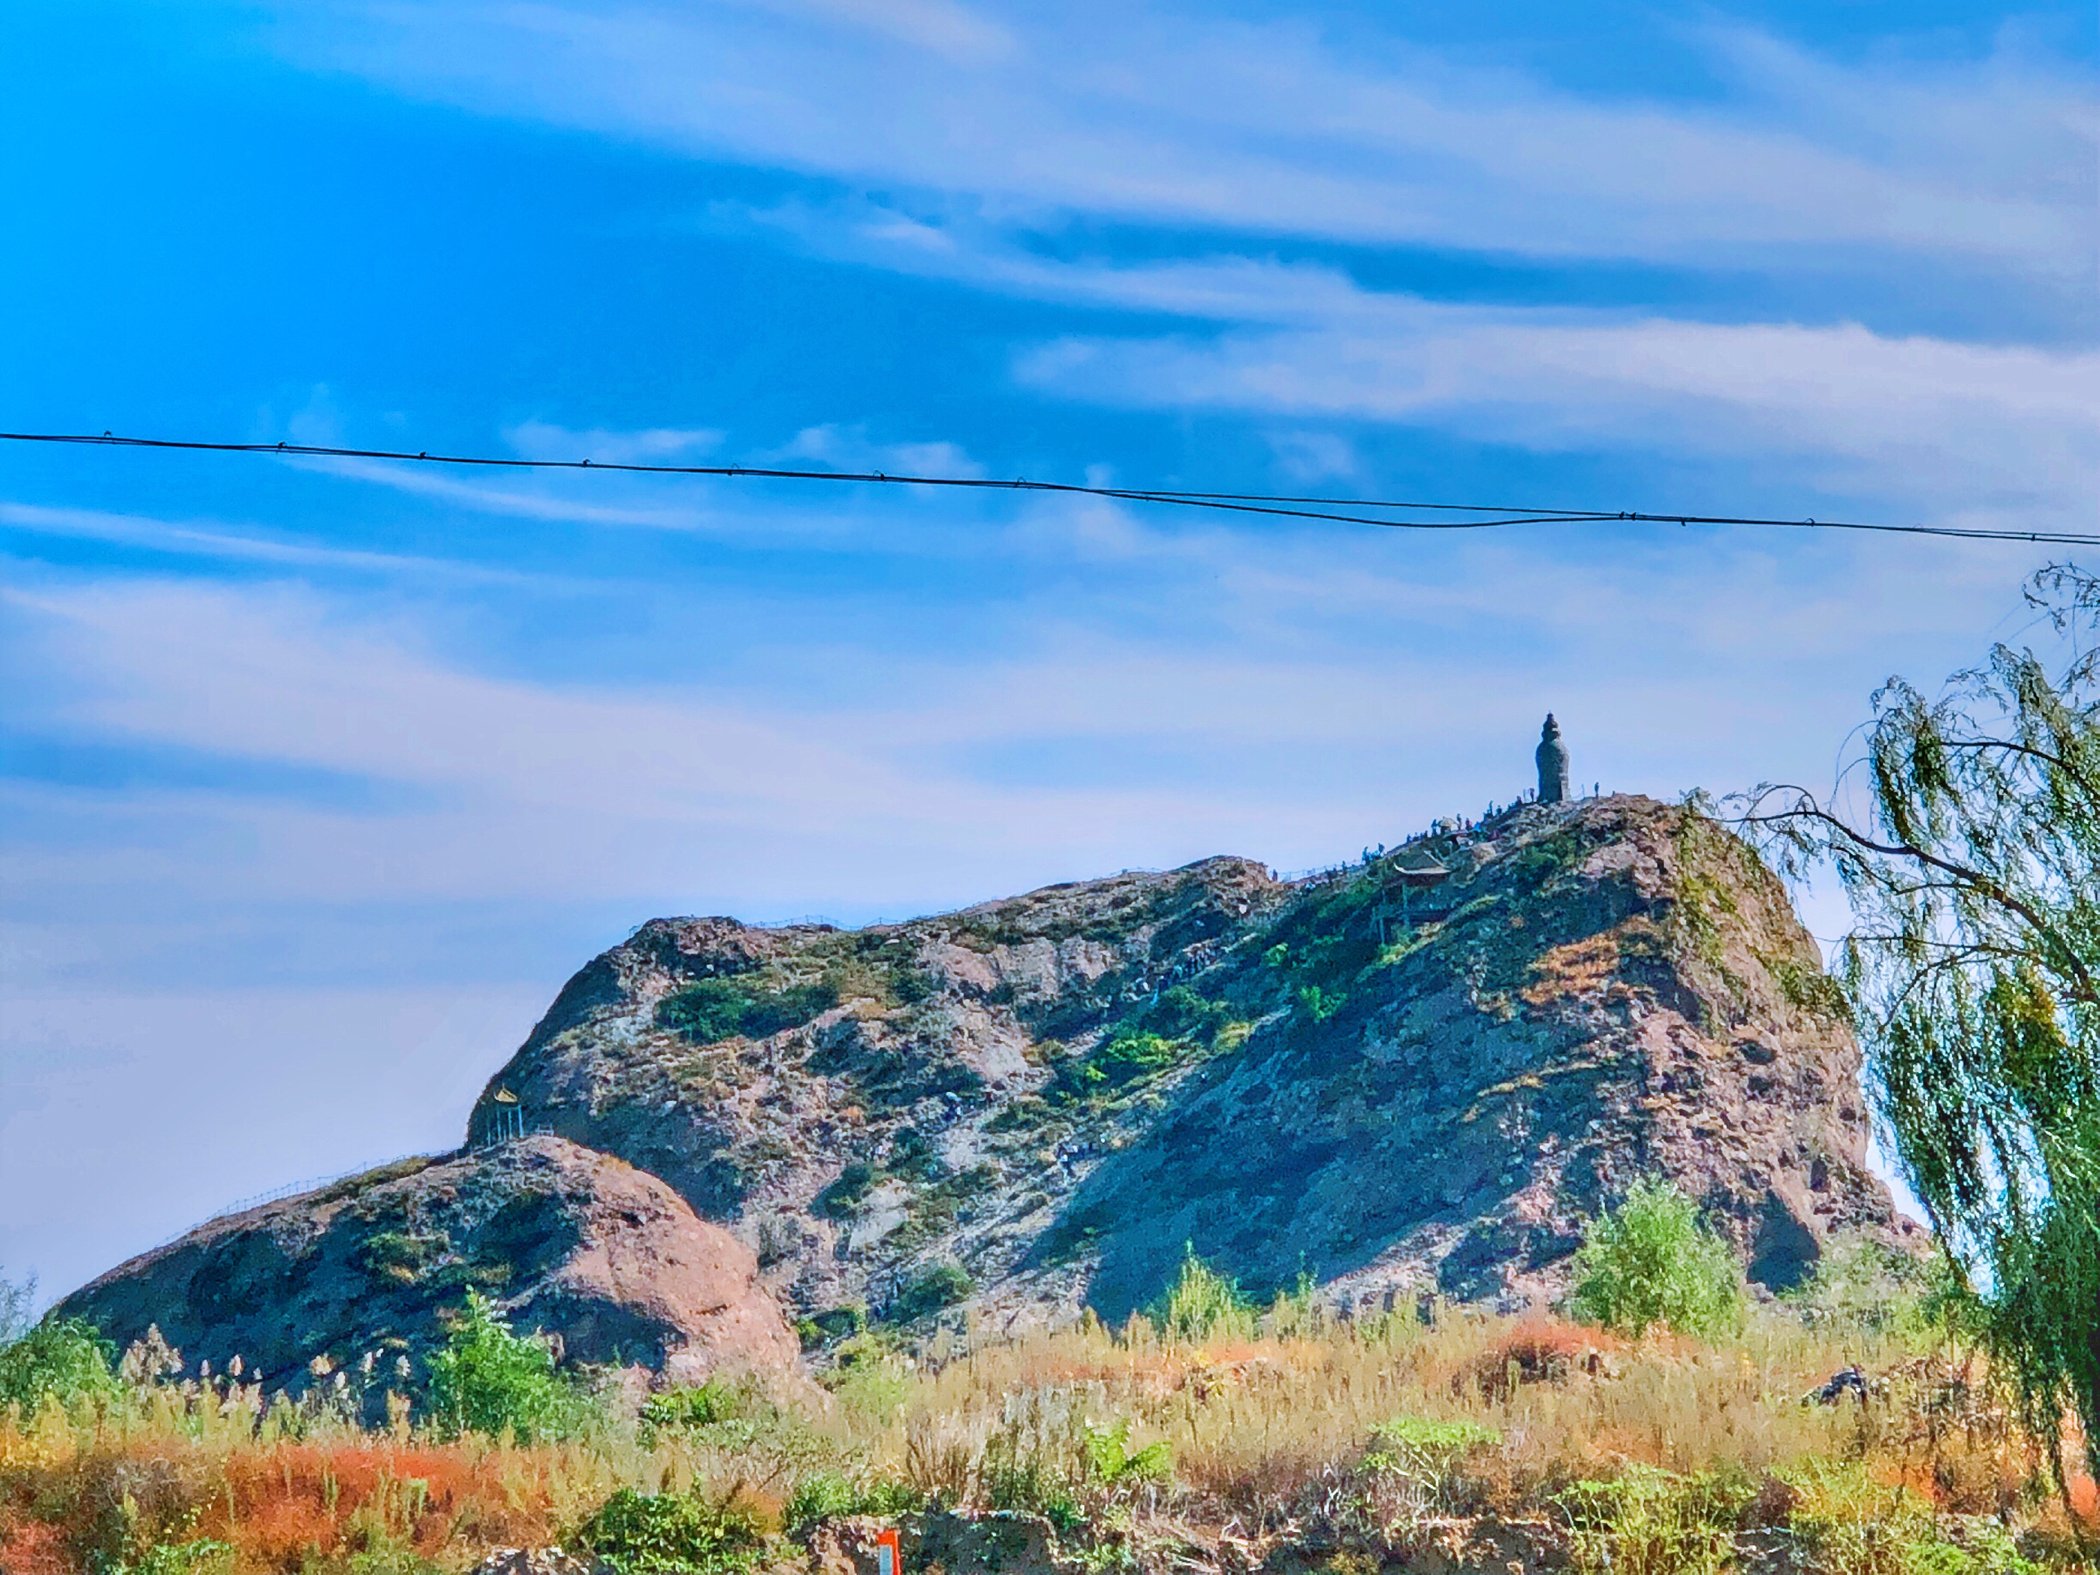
point(1272, 1435)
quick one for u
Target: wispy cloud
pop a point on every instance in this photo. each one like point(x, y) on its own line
point(835, 447)
point(216, 542)
point(1144, 115)
point(601, 445)
point(564, 501)
point(1942, 426)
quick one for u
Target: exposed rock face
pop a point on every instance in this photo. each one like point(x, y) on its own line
point(1057, 1091)
point(1392, 1077)
point(574, 1242)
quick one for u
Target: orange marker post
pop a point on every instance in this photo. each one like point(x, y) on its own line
point(889, 1555)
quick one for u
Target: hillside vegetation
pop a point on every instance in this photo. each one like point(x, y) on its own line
point(1210, 1438)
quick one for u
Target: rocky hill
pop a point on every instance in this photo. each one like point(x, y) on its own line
point(570, 1241)
point(1420, 1072)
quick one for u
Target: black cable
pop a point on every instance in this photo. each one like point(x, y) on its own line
point(1490, 516)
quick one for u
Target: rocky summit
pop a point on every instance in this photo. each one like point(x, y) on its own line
point(1422, 1072)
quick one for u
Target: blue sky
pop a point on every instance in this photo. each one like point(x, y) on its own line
point(317, 778)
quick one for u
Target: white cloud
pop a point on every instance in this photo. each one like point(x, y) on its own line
point(835, 447)
point(601, 445)
point(938, 26)
point(1942, 426)
point(214, 541)
point(1950, 429)
point(1404, 664)
point(1310, 457)
point(1272, 128)
point(563, 500)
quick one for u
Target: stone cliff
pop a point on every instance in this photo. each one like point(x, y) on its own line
point(1420, 1072)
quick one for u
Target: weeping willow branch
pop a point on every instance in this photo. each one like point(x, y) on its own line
point(1973, 970)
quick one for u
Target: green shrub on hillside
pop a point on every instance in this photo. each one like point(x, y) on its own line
point(1202, 1304)
point(486, 1379)
point(1418, 1463)
point(845, 1194)
point(674, 1534)
point(697, 1405)
point(1845, 1522)
point(1865, 1285)
point(943, 1285)
point(870, 1381)
point(741, 1004)
point(1182, 1012)
point(827, 1494)
point(1648, 1521)
point(196, 1556)
point(1652, 1261)
point(1125, 1057)
point(61, 1361)
point(401, 1256)
point(1111, 1462)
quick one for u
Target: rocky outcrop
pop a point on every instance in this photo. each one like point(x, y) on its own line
point(1421, 1072)
point(577, 1243)
point(1390, 1082)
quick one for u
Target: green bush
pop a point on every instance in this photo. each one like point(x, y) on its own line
point(1651, 1261)
point(1185, 1013)
point(1125, 1057)
point(834, 1323)
point(399, 1256)
point(485, 1379)
point(1320, 1003)
point(715, 1009)
point(830, 1495)
point(868, 1377)
point(1071, 1477)
point(1846, 1523)
point(1202, 1304)
point(1987, 1549)
point(1419, 1438)
point(61, 1360)
point(1020, 1476)
point(1111, 1461)
point(681, 1410)
point(1418, 1463)
point(845, 1194)
point(943, 1285)
point(1649, 1521)
point(674, 1534)
point(1864, 1285)
point(198, 1556)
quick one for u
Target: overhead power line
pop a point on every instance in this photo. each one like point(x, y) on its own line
point(1391, 513)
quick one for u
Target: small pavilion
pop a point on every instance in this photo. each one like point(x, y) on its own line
point(503, 1118)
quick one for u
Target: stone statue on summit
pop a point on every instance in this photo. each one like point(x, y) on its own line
point(1553, 764)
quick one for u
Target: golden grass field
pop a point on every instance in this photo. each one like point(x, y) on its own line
point(1286, 1443)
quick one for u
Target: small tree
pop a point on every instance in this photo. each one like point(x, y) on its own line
point(486, 1379)
point(1652, 1261)
point(1966, 836)
point(17, 1297)
point(62, 1360)
point(1202, 1303)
